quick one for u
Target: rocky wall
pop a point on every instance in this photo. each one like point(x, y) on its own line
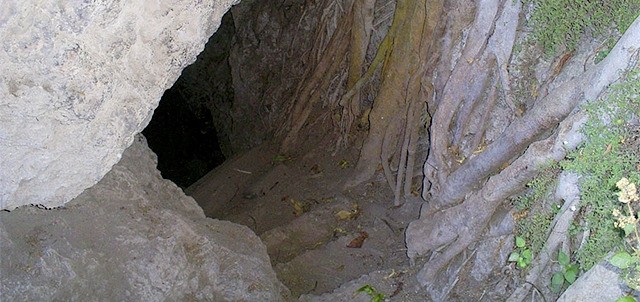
point(79, 79)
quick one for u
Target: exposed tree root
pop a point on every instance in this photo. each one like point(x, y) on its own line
point(415, 29)
point(360, 36)
point(466, 177)
point(546, 114)
point(559, 233)
point(311, 90)
point(463, 223)
point(468, 72)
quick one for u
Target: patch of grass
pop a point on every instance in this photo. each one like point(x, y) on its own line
point(561, 23)
point(536, 215)
point(535, 229)
point(602, 160)
point(539, 188)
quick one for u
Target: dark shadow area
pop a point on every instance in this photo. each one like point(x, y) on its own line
point(186, 144)
point(190, 128)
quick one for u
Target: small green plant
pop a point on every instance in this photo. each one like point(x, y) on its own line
point(522, 256)
point(627, 221)
point(627, 299)
point(567, 274)
point(376, 296)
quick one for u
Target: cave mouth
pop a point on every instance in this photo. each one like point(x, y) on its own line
point(184, 140)
point(183, 131)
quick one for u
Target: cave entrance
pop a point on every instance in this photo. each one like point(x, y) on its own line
point(184, 129)
point(184, 140)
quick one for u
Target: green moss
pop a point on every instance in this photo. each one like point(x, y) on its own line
point(561, 23)
point(539, 188)
point(610, 151)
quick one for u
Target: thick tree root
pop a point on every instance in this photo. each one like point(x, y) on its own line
point(465, 223)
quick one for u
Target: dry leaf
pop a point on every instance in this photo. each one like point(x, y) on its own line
point(298, 207)
point(344, 164)
point(344, 215)
point(357, 242)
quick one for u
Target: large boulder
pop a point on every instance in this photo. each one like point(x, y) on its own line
point(131, 237)
point(79, 79)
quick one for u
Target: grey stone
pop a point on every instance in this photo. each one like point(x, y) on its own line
point(601, 283)
point(131, 237)
point(79, 79)
point(396, 286)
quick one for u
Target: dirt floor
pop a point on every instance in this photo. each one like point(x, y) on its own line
point(320, 237)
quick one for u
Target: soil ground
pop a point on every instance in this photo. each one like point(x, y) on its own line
point(294, 203)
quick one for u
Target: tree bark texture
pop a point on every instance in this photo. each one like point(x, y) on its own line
point(465, 196)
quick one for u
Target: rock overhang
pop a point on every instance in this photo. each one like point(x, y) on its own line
point(80, 80)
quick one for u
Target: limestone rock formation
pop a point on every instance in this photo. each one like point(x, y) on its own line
point(79, 79)
point(131, 237)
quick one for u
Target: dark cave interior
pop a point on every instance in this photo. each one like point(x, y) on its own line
point(182, 131)
point(186, 143)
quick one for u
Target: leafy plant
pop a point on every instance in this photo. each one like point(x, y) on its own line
point(567, 274)
point(373, 292)
point(627, 221)
point(604, 158)
point(522, 256)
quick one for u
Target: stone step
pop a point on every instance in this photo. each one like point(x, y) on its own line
point(215, 191)
point(266, 201)
point(309, 231)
